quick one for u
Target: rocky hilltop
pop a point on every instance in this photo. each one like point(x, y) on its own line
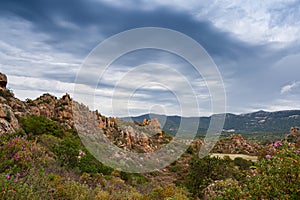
point(122, 133)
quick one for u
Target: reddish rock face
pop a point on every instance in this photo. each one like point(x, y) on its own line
point(141, 137)
point(3, 82)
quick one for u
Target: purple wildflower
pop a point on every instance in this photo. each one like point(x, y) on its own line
point(277, 143)
point(18, 174)
point(8, 176)
point(17, 157)
point(16, 180)
point(268, 156)
point(10, 144)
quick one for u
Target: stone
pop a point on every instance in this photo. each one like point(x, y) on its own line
point(155, 126)
point(3, 81)
point(295, 131)
point(8, 121)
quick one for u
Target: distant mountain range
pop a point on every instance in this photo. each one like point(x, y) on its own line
point(261, 122)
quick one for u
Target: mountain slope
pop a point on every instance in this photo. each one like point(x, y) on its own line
point(256, 122)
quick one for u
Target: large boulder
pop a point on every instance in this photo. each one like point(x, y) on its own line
point(3, 81)
point(8, 121)
point(294, 136)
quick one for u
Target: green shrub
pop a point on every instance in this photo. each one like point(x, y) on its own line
point(190, 150)
point(133, 178)
point(243, 164)
point(38, 125)
point(204, 171)
point(50, 142)
point(7, 93)
point(68, 151)
point(71, 153)
point(89, 164)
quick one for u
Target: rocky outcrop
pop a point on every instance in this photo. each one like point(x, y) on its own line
point(294, 137)
point(154, 125)
point(11, 109)
point(3, 82)
point(8, 121)
point(236, 144)
point(295, 131)
point(131, 136)
point(138, 137)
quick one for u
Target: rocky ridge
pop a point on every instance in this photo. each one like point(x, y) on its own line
point(137, 137)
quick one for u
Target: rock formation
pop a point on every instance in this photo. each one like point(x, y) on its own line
point(236, 144)
point(8, 121)
point(143, 137)
point(3, 82)
point(294, 136)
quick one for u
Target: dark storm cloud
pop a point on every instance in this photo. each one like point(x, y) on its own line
point(46, 16)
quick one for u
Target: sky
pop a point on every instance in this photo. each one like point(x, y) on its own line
point(254, 44)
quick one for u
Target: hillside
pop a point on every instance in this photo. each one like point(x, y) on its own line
point(250, 124)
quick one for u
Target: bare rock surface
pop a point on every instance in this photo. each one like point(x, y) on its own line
point(3, 82)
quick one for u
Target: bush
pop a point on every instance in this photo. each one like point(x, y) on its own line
point(89, 164)
point(243, 164)
point(276, 177)
point(18, 156)
point(7, 93)
point(73, 154)
point(204, 171)
point(38, 125)
point(169, 192)
point(133, 178)
point(12, 188)
point(68, 151)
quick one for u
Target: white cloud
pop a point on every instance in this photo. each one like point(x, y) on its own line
point(289, 87)
point(30, 87)
point(253, 21)
point(283, 104)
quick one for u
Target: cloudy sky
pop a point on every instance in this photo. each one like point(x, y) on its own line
point(255, 45)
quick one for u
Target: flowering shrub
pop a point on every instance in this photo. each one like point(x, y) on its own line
point(224, 189)
point(19, 155)
point(18, 158)
point(276, 177)
point(13, 187)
